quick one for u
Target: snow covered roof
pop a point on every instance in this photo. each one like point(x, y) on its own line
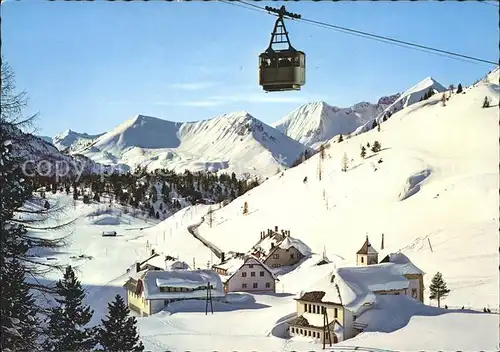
point(404, 264)
point(298, 244)
point(323, 291)
point(189, 279)
point(231, 265)
point(367, 248)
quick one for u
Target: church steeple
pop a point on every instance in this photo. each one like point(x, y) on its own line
point(366, 255)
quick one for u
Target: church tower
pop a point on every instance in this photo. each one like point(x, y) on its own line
point(367, 255)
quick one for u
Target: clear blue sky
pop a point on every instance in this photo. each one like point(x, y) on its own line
point(89, 66)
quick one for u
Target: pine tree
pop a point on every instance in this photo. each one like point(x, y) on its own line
point(438, 288)
point(459, 88)
point(374, 124)
point(486, 103)
point(378, 127)
point(363, 152)
point(341, 139)
point(245, 208)
point(21, 307)
point(96, 197)
point(119, 330)
point(376, 147)
point(66, 329)
point(154, 195)
point(152, 212)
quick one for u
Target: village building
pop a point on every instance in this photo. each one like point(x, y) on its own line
point(367, 255)
point(152, 290)
point(330, 310)
point(157, 261)
point(246, 273)
point(278, 249)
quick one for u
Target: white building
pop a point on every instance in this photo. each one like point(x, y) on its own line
point(251, 276)
point(348, 292)
point(153, 290)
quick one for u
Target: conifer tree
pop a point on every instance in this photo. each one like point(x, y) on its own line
point(486, 103)
point(376, 147)
point(18, 304)
point(363, 151)
point(374, 124)
point(119, 331)
point(66, 328)
point(459, 88)
point(438, 288)
point(341, 139)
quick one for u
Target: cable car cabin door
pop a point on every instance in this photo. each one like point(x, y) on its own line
point(284, 72)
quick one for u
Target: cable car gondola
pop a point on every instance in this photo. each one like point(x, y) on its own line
point(283, 69)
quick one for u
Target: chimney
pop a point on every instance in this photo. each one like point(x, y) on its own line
point(282, 232)
point(153, 251)
point(137, 267)
point(272, 244)
point(382, 246)
point(275, 228)
point(222, 257)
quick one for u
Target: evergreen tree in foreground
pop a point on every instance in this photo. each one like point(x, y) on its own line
point(66, 330)
point(119, 331)
point(438, 288)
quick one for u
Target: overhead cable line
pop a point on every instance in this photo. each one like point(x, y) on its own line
point(372, 36)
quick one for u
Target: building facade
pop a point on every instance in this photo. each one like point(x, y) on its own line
point(251, 276)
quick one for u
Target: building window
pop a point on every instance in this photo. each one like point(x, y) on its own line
point(335, 313)
point(291, 256)
point(250, 266)
point(323, 309)
point(255, 285)
point(268, 285)
point(362, 260)
point(309, 332)
point(261, 273)
point(414, 292)
point(244, 286)
point(293, 330)
point(252, 273)
point(244, 274)
point(314, 309)
point(276, 256)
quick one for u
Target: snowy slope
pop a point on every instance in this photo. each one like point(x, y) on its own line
point(409, 97)
point(234, 142)
point(73, 141)
point(318, 122)
point(434, 196)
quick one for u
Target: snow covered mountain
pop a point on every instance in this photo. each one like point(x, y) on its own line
point(70, 140)
point(314, 123)
point(235, 142)
point(46, 158)
point(409, 97)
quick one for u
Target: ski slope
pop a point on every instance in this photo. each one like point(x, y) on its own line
point(436, 187)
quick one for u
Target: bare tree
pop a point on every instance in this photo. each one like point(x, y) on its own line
point(345, 162)
point(443, 99)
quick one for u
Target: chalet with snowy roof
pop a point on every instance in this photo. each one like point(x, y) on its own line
point(251, 276)
point(230, 262)
point(367, 255)
point(329, 310)
point(277, 249)
point(152, 291)
point(157, 261)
